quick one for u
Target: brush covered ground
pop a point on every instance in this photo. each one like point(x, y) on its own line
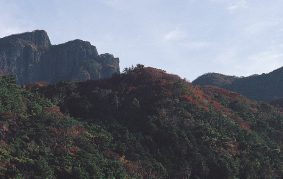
point(143, 123)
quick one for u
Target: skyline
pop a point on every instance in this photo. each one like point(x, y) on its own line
point(188, 38)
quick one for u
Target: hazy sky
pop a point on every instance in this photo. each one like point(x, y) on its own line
point(185, 37)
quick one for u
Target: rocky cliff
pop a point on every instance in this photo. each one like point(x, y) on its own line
point(31, 58)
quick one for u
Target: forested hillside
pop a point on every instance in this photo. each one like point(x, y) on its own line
point(143, 123)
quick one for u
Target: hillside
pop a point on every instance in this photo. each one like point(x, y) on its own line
point(215, 79)
point(31, 58)
point(278, 103)
point(265, 87)
point(143, 123)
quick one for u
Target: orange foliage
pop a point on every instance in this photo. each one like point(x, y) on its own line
point(38, 84)
point(54, 110)
point(7, 115)
point(75, 131)
point(136, 167)
point(243, 124)
point(206, 100)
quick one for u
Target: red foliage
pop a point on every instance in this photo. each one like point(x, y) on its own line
point(4, 127)
point(224, 92)
point(131, 89)
point(75, 131)
point(73, 150)
point(206, 99)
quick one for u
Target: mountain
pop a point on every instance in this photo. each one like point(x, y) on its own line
point(143, 123)
point(31, 58)
point(265, 87)
point(215, 79)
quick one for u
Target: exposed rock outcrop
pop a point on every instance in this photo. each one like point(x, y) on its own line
point(31, 58)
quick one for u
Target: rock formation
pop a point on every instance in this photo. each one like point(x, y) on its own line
point(31, 58)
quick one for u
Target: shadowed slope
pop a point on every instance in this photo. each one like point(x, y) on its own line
point(265, 87)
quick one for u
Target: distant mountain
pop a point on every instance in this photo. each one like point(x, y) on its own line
point(31, 58)
point(215, 79)
point(266, 87)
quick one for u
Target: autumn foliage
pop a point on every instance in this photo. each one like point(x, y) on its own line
point(143, 123)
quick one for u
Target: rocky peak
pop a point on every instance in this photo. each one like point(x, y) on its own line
point(30, 57)
point(38, 38)
point(79, 46)
point(108, 58)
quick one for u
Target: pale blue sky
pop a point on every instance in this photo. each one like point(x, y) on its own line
point(185, 37)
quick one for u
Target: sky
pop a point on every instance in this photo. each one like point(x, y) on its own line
point(184, 37)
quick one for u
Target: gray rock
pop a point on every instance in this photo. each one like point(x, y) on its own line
point(31, 58)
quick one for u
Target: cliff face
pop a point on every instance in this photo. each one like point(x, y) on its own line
point(31, 58)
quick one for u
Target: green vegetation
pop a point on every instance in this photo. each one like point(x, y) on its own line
point(38, 141)
point(143, 123)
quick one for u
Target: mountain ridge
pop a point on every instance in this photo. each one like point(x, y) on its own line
point(266, 87)
point(31, 57)
point(37, 37)
point(87, 120)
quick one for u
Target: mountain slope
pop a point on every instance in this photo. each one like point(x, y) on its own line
point(215, 79)
point(163, 126)
point(31, 58)
point(266, 87)
point(38, 141)
point(278, 103)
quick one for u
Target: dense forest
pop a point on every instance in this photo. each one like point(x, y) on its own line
point(142, 123)
point(278, 103)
